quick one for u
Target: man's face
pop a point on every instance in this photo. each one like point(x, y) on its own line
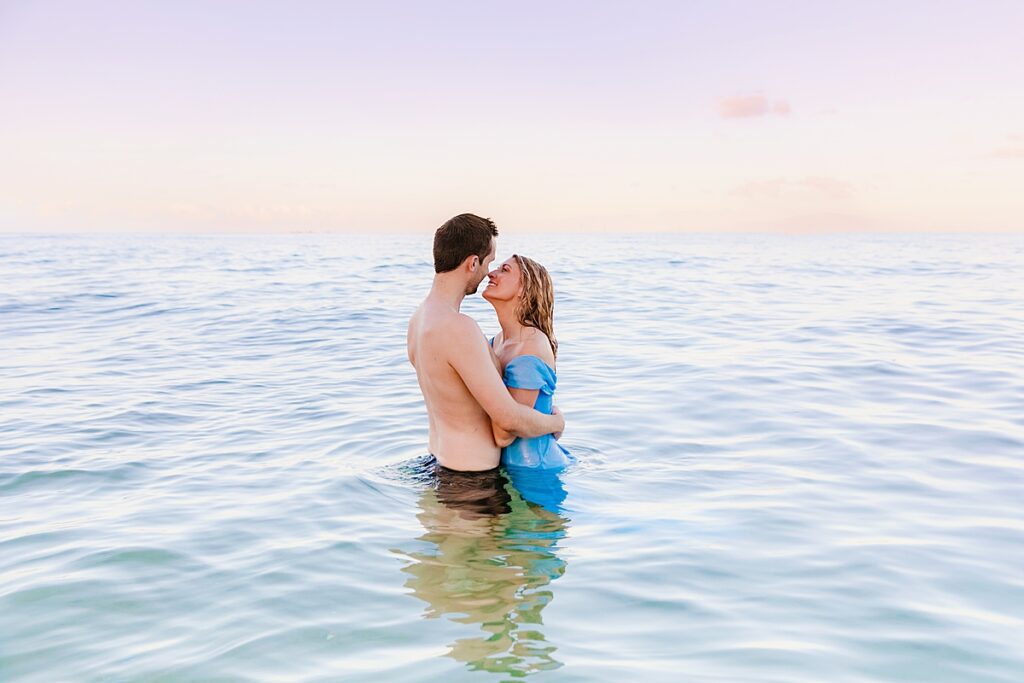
point(482, 269)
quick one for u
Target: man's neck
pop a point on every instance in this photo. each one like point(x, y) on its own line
point(448, 289)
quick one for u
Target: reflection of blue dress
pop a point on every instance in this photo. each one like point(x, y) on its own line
point(530, 372)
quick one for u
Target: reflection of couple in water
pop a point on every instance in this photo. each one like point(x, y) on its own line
point(492, 543)
point(488, 560)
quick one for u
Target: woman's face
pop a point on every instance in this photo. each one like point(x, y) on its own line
point(504, 283)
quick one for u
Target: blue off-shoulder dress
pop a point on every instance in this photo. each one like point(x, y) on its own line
point(543, 452)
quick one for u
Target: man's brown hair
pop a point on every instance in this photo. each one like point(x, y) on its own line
point(459, 238)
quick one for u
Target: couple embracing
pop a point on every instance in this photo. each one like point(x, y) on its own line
point(489, 402)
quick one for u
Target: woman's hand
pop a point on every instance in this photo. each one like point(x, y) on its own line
point(556, 411)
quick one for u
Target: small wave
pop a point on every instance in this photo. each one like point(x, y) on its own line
point(61, 479)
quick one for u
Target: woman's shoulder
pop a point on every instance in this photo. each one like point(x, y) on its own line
point(537, 344)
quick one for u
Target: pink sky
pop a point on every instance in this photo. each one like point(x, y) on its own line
point(593, 116)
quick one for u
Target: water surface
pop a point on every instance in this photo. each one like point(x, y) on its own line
point(801, 459)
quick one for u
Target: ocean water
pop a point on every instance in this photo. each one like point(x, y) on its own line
point(800, 459)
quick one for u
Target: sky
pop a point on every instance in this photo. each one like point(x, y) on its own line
point(654, 116)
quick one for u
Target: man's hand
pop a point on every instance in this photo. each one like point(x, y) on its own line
point(556, 411)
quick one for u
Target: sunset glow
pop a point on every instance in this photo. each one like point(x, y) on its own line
point(662, 116)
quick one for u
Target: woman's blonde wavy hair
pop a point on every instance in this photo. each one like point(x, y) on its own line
point(536, 306)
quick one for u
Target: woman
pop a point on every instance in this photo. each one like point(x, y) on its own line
point(522, 295)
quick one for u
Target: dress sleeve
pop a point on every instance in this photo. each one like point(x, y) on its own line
point(529, 372)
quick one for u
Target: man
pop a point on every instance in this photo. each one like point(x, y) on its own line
point(453, 362)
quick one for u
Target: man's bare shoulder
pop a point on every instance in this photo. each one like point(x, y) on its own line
point(462, 324)
point(458, 331)
point(441, 324)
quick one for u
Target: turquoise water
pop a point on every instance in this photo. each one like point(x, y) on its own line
point(801, 459)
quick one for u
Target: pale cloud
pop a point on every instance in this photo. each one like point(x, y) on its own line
point(1013, 149)
point(782, 188)
point(750, 106)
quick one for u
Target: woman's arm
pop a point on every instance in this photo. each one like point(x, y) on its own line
point(527, 397)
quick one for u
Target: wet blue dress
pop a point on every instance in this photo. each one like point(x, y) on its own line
point(544, 452)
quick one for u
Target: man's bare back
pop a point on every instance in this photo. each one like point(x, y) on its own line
point(460, 429)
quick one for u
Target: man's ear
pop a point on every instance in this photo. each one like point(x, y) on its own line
point(474, 261)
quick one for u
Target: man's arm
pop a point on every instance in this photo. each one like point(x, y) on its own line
point(526, 397)
point(469, 356)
